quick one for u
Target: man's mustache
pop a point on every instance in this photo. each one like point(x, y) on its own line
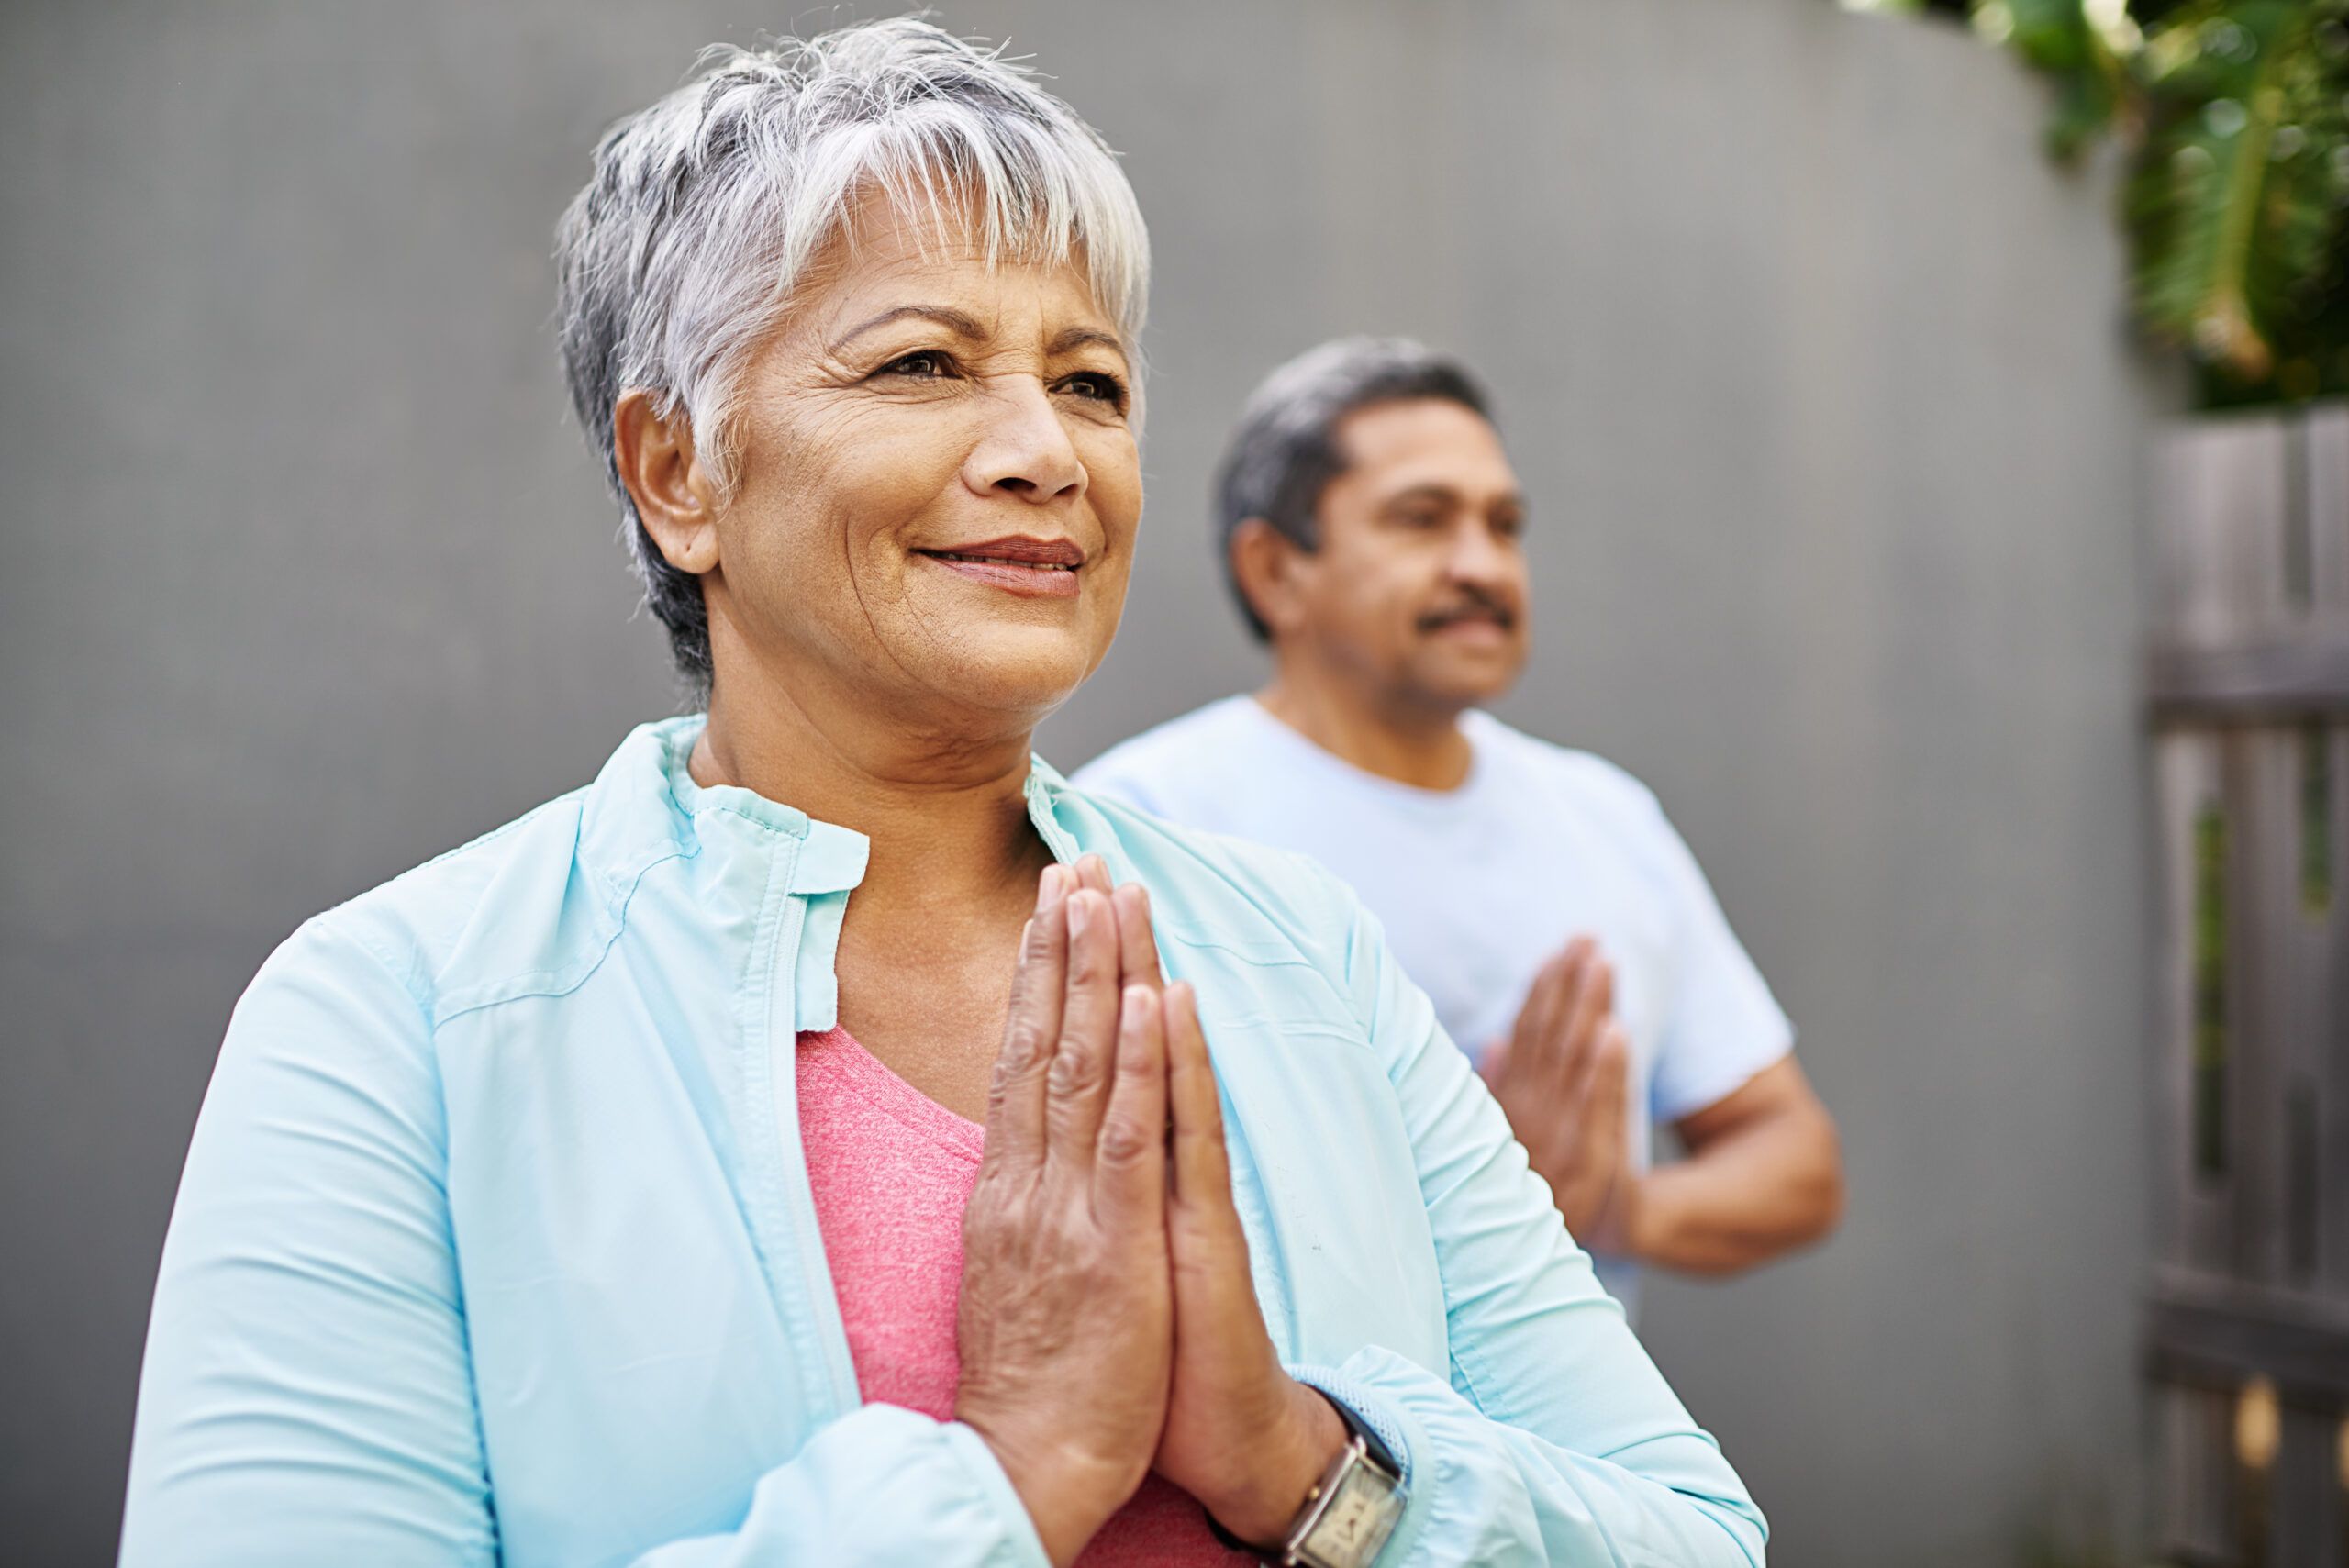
point(1473, 605)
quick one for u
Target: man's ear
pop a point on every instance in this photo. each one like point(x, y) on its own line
point(1267, 563)
point(674, 491)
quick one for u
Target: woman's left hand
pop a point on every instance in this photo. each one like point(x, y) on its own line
point(1244, 1437)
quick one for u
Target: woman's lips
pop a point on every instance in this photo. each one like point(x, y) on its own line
point(1038, 580)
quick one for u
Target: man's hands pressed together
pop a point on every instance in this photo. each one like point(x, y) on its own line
point(1560, 1079)
point(1108, 1324)
point(1762, 1172)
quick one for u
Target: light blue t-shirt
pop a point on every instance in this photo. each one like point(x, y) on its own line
point(1478, 886)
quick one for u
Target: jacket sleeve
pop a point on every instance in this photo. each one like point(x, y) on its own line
point(1554, 1439)
point(308, 1391)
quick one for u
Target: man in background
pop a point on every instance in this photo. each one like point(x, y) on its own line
point(1372, 530)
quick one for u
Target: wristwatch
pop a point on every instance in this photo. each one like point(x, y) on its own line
point(1347, 1515)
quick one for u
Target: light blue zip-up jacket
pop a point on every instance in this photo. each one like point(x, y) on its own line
point(495, 1242)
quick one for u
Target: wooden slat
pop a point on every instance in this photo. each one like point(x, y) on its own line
point(2327, 1048)
point(2307, 960)
point(2263, 795)
point(2326, 474)
point(2251, 557)
point(2306, 1526)
point(2200, 1330)
point(2197, 1460)
point(2219, 500)
point(2193, 1207)
point(2280, 676)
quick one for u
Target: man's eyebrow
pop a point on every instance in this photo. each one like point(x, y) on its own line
point(1433, 489)
point(961, 323)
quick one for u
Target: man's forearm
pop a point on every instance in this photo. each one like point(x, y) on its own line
point(1746, 1196)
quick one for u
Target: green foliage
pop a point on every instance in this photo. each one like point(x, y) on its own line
point(2239, 198)
point(2235, 117)
point(2055, 37)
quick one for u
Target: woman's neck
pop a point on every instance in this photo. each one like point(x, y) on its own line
point(1412, 744)
point(946, 816)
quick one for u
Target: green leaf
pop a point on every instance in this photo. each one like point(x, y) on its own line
point(2229, 215)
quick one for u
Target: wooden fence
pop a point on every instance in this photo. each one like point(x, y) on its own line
point(2247, 1319)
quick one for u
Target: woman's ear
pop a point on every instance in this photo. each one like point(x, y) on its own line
point(675, 498)
point(1264, 562)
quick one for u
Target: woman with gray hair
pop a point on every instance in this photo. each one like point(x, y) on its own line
point(803, 1145)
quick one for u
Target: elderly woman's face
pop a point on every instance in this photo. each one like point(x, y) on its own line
point(937, 486)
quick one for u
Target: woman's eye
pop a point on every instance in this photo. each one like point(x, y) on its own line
point(1099, 387)
point(929, 364)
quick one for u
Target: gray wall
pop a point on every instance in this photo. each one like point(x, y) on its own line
point(1817, 374)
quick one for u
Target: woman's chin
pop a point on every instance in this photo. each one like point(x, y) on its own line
point(1020, 676)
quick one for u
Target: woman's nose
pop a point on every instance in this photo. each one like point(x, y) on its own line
point(1025, 449)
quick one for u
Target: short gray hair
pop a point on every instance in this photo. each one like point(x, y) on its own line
point(1283, 451)
point(705, 209)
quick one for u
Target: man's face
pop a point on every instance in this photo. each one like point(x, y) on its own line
point(1418, 586)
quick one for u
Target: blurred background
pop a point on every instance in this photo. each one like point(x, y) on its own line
point(1995, 682)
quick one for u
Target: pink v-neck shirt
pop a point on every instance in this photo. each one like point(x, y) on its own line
point(892, 1171)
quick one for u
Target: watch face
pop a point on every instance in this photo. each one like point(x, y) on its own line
point(1360, 1515)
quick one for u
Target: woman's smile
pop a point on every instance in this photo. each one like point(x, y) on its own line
point(1044, 569)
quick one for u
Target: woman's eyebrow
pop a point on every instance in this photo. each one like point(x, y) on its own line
point(1083, 337)
point(961, 323)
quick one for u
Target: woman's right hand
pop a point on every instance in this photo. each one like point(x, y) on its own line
point(1065, 1321)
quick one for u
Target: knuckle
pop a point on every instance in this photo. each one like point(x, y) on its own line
point(1073, 1067)
point(1124, 1142)
point(983, 1214)
point(1024, 1046)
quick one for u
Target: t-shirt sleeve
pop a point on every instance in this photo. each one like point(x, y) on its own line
point(1720, 1024)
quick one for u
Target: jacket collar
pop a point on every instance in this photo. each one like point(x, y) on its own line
point(644, 808)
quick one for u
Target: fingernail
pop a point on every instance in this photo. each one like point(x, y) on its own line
point(1047, 887)
point(1079, 914)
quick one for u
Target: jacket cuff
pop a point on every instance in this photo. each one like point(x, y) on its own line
point(1025, 1548)
point(1373, 1410)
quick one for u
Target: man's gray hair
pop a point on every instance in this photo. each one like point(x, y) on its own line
point(705, 209)
point(1283, 451)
